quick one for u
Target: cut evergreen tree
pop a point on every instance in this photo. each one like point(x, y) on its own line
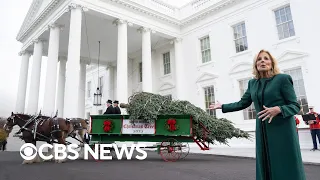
point(147, 106)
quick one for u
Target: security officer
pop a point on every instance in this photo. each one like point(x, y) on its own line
point(110, 109)
point(116, 107)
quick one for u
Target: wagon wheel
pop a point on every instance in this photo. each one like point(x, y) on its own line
point(185, 150)
point(170, 150)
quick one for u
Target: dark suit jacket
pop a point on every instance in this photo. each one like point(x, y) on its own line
point(117, 110)
point(110, 110)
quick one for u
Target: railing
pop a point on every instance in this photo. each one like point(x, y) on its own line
point(159, 6)
point(196, 6)
point(181, 13)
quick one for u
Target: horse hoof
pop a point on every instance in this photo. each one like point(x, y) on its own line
point(27, 162)
point(60, 161)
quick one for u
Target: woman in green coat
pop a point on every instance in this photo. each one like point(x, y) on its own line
point(278, 155)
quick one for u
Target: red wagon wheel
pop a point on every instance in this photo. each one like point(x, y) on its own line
point(170, 150)
point(184, 147)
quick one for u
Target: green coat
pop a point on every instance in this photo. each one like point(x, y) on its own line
point(278, 152)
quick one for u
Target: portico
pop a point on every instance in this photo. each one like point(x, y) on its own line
point(69, 38)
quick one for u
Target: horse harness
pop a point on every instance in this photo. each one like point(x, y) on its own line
point(76, 124)
point(38, 121)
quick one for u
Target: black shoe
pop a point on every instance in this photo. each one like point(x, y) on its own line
point(313, 149)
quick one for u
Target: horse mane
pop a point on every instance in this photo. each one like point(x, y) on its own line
point(24, 115)
point(29, 115)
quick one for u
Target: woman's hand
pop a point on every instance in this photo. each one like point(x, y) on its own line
point(269, 113)
point(215, 105)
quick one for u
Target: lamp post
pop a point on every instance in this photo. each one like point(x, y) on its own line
point(98, 96)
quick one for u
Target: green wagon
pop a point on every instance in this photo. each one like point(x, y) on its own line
point(171, 133)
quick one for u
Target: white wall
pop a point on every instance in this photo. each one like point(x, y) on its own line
point(228, 67)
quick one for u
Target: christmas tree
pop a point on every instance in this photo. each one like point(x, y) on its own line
point(147, 106)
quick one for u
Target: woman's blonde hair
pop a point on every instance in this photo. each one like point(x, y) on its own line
point(274, 69)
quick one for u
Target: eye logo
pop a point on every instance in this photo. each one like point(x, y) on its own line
point(28, 151)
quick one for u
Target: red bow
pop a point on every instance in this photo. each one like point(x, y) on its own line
point(107, 126)
point(107, 123)
point(172, 123)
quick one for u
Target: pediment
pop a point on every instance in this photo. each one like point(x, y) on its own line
point(240, 67)
point(290, 54)
point(166, 86)
point(206, 76)
point(42, 5)
point(35, 10)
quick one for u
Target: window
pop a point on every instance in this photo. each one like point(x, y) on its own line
point(166, 63)
point(240, 37)
point(169, 96)
point(140, 72)
point(209, 99)
point(89, 88)
point(284, 22)
point(100, 111)
point(249, 112)
point(101, 84)
point(299, 88)
point(205, 49)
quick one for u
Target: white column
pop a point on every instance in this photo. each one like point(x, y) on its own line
point(23, 78)
point(51, 77)
point(82, 89)
point(110, 83)
point(61, 86)
point(73, 64)
point(35, 77)
point(122, 62)
point(179, 69)
point(146, 60)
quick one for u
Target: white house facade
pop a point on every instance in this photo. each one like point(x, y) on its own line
point(201, 52)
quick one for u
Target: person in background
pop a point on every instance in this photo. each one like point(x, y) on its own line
point(3, 145)
point(297, 119)
point(314, 128)
point(116, 107)
point(110, 109)
point(297, 123)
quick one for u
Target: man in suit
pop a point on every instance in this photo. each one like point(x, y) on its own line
point(110, 109)
point(116, 107)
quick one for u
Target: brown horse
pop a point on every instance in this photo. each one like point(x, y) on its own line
point(47, 129)
point(79, 128)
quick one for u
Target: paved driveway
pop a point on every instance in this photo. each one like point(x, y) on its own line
point(194, 167)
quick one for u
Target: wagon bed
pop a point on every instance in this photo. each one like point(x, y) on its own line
point(172, 132)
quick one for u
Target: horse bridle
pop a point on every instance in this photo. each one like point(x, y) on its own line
point(12, 117)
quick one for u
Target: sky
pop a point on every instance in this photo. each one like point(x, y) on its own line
point(12, 14)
